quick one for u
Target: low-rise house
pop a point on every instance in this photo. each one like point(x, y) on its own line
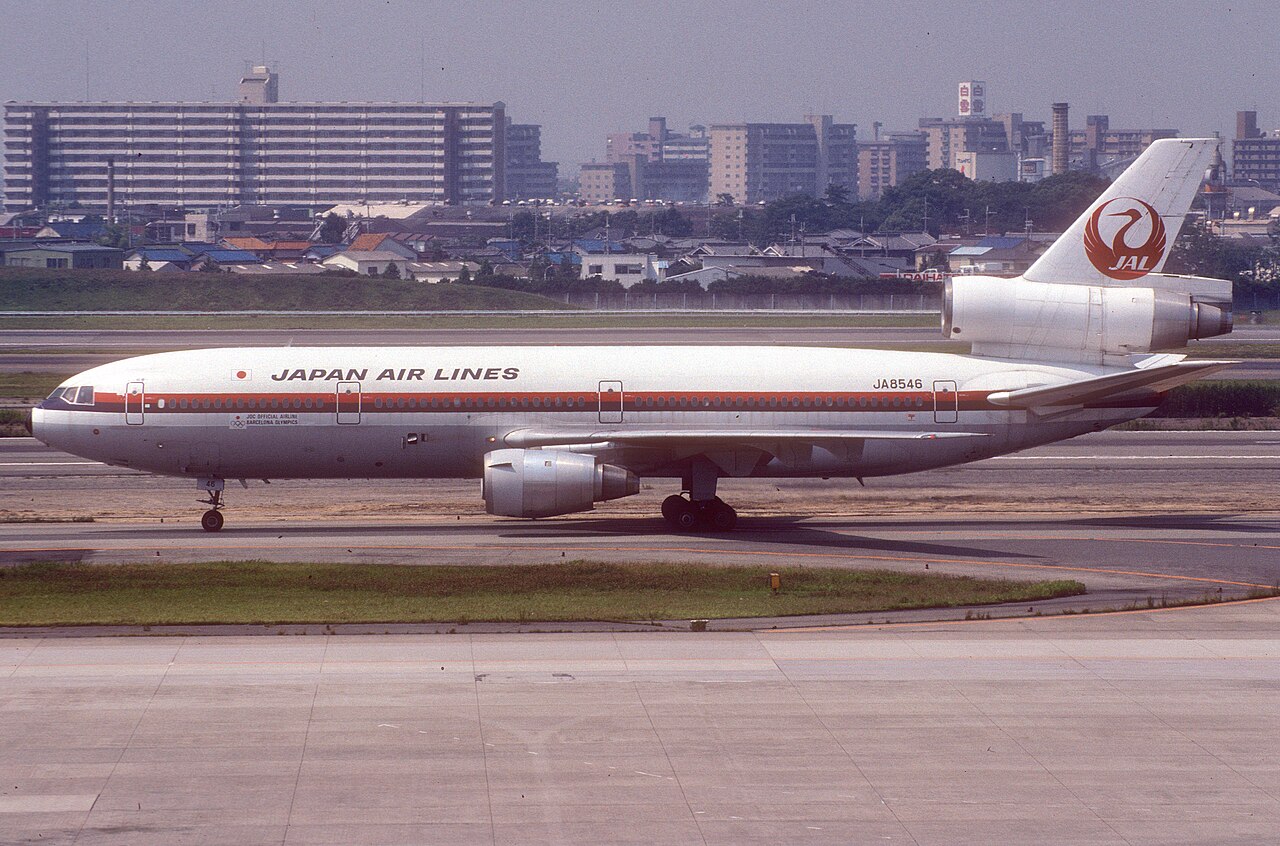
point(295, 268)
point(220, 258)
point(623, 267)
point(72, 231)
point(69, 256)
point(268, 250)
point(1003, 255)
point(376, 262)
point(438, 271)
point(381, 242)
point(159, 259)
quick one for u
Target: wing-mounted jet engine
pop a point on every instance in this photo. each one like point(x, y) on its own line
point(545, 482)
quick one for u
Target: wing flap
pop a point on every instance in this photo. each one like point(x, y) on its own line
point(1156, 378)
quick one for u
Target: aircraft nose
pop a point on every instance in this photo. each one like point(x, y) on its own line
point(33, 423)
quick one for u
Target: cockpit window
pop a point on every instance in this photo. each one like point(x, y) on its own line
point(57, 394)
point(84, 396)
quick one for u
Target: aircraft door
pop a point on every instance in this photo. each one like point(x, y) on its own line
point(610, 402)
point(946, 402)
point(135, 397)
point(348, 400)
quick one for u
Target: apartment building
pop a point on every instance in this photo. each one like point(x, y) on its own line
point(945, 137)
point(763, 161)
point(887, 159)
point(1098, 145)
point(660, 164)
point(1255, 155)
point(528, 176)
point(254, 150)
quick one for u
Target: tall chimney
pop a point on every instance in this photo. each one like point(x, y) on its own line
point(1061, 138)
point(111, 189)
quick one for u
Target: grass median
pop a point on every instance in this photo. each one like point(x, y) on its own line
point(267, 592)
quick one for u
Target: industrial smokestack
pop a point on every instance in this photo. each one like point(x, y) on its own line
point(111, 189)
point(1061, 138)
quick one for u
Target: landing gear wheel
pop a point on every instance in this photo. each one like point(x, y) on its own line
point(670, 505)
point(685, 516)
point(721, 517)
point(211, 521)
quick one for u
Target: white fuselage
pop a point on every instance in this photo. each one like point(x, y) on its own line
point(434, 412)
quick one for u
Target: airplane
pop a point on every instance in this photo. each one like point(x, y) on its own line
point(1070, 346)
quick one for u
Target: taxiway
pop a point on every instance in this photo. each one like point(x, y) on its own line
point(1141, 728)
point(1134, 515)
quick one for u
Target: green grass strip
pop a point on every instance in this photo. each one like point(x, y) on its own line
point(267, 592)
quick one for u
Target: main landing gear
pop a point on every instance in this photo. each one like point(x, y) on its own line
point(701, 509)
point(686, 515)
point(211, 520)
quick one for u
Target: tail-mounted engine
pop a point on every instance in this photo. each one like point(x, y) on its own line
point(543, 483)
point(1014, 318)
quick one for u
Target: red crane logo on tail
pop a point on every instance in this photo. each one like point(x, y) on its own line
point(1125, 219)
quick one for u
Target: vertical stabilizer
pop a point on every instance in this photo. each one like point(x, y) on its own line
point(1129, 231)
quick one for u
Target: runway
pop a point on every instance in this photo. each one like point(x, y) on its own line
point(1138, 728)
point(814, 335)
point(67, 351)
point(1133, 515)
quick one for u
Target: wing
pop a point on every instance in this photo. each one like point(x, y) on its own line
point(1158, 376)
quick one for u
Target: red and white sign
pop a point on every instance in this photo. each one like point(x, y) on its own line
point(1125, 238)
point(973, 99)
point(917, 275)
point(242, 375)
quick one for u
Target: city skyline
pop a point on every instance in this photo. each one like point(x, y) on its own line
point(584, 74)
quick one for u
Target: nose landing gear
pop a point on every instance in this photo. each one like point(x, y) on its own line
point(211, 520)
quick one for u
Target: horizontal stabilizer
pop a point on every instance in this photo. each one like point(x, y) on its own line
point(1155, 379)
point(711, 437)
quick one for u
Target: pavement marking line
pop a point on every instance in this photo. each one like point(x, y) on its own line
point(49, 463)
point(986, 536)
point(693, 550)
point(856, 627)
point(1117, 457)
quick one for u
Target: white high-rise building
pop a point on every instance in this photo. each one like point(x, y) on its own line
point(254, 150)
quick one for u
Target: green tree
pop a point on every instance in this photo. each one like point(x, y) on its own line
point(837, 195)
point(671, 222)
point(114, 235)
point(486, 269)
point(391, 271)
point(464, 275)
point(332, 229)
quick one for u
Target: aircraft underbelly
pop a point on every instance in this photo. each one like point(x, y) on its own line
point(409, 448)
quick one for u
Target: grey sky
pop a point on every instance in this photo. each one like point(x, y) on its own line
point(582, 70)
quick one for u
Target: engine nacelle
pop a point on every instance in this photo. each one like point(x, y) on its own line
point(1014, 317)
point(543, 483)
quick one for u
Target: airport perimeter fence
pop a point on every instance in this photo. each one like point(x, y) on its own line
point(671, 301)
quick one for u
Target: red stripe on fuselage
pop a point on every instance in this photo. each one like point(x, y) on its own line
point(393, 402)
